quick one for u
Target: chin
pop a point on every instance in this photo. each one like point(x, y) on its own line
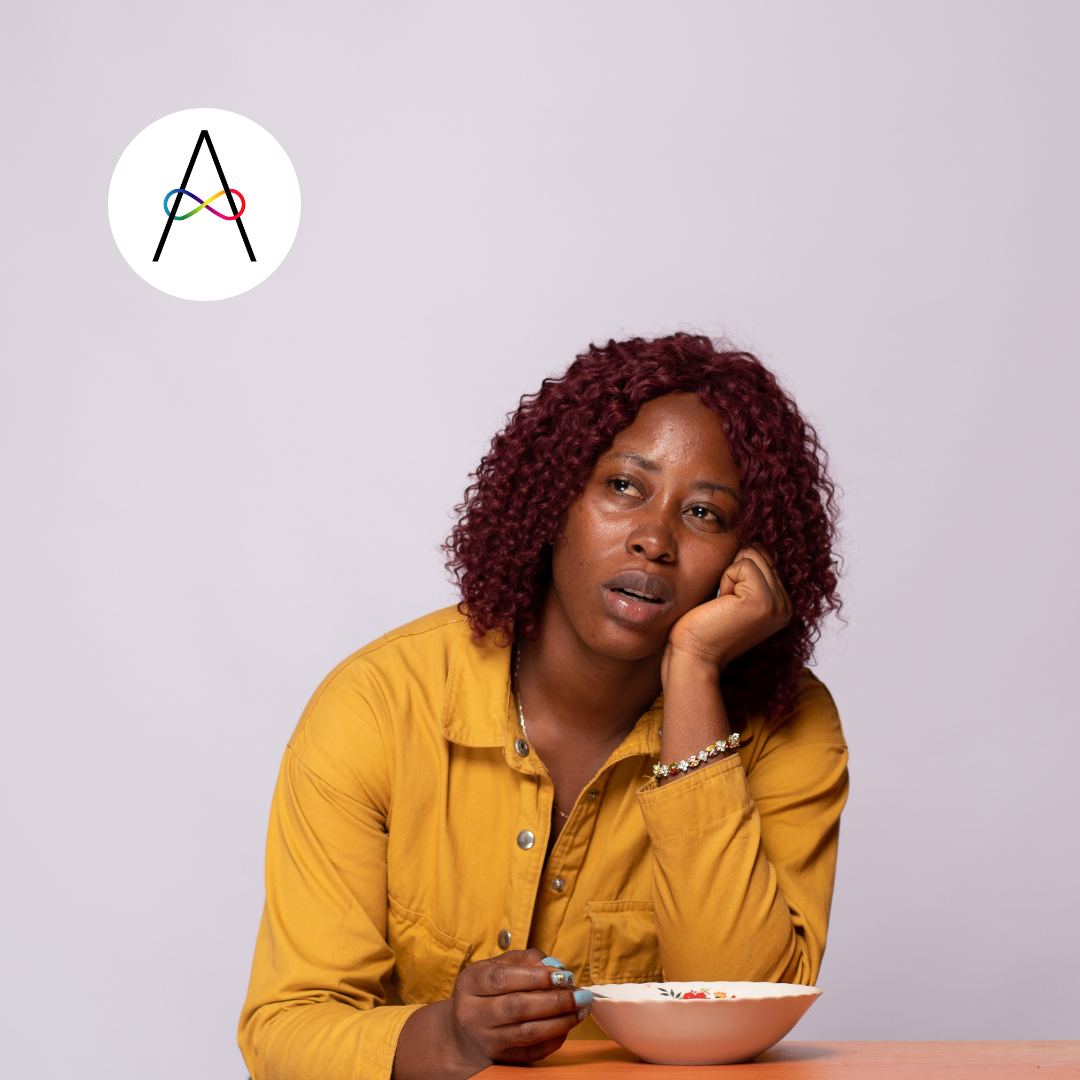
point(611, 631)
point(622, 642)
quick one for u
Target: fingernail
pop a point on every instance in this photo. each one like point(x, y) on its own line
point(552, 962)
point(582, 1013)
point(562, 978)
point(583, 997)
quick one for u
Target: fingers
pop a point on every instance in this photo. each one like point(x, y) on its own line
point(517, 1004)
point(754, 566)
point(489, 978)
point(760, 558)
point(529, 957)
point(533, 1020)
point(518, 956)
point(520, 1009)
point(534, 1033)
point(758, 548)
point(749, 571)
point(748, 566)
point(526, 1055)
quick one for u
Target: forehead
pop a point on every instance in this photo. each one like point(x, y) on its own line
point(677, 430)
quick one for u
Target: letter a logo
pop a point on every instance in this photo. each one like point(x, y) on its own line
point(229, 222)
point(181, 191)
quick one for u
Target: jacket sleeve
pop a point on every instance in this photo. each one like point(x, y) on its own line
point(743, 866)
point(321, 960)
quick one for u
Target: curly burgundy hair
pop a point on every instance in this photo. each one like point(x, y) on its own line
point(498, 551)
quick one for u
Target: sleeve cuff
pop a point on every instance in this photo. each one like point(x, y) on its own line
point(393, 1034)
point(697, 802)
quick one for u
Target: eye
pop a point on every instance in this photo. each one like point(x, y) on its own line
point(706, 515)
point(622, 486)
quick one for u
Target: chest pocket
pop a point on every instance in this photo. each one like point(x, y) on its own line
point(426, 961)
point(623, 946)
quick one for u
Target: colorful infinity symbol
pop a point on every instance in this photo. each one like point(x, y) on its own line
point(181, 192)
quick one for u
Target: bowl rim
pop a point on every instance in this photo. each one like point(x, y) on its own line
point(796, 990)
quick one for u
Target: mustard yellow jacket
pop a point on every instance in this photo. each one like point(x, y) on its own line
point(395, 854)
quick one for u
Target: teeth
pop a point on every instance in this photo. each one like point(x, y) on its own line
point(643, 596)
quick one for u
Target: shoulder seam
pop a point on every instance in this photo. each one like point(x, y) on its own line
point(367, 650)
point(322, 779)
point(404, 631)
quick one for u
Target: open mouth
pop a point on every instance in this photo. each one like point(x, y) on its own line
point(646, 598)
point(635, 596)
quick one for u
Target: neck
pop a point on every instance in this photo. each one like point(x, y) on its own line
point(571, 686)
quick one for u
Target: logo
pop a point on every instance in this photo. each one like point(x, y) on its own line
point(204, 137)
point(201, 248)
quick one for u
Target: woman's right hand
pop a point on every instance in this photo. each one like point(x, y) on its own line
point(503, 1009)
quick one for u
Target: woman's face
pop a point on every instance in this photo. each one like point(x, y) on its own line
point(653, 530)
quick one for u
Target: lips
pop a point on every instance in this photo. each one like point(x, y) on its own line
point(637, 597)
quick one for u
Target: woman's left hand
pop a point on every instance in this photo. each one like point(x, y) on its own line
point(752, 605)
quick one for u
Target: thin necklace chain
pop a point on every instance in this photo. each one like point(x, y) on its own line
point(521, 713)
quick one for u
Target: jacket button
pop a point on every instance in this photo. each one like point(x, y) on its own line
point(522, 747)
point(504, 939)
point(526, 839)
point(558, 884)
point(593, 794)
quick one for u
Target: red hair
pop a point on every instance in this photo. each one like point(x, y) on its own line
point(539, 463)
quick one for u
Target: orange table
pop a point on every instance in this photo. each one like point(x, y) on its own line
point(592, 1060)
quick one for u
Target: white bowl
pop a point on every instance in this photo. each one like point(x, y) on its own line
point(660, 1024)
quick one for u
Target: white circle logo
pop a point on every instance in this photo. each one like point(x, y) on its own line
point(204, 204)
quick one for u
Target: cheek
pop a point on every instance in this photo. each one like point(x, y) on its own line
point(702, 565)
point(588, 534)
point(720, 557)
point(585, 542)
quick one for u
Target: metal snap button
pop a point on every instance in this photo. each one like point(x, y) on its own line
point(522, 747)
point(593, 794)
point(504, 939)
point(558, 884)
point(526, 839)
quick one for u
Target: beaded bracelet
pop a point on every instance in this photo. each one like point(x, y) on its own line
point(694, 761)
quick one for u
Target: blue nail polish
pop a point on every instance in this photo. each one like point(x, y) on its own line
point(562, 978)
point(552, 962)
point(583, 997)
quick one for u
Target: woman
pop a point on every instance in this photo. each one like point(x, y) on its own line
point(610, 752)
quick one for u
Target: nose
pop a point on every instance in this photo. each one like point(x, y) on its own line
point(652, 538)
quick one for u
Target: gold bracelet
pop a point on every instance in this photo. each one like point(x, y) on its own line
point(695, 760)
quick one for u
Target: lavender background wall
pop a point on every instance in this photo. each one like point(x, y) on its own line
point(206, 506)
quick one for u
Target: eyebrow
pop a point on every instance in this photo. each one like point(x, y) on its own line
point(697, 485)
point(637, 459)
point(708, 485)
